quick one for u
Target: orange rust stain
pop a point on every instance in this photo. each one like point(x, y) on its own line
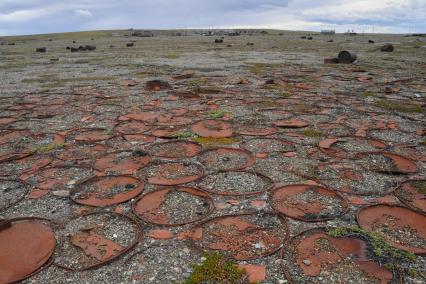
point(95, 245)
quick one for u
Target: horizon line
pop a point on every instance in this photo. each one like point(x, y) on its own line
point(196, 29)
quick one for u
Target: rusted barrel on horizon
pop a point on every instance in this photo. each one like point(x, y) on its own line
point(346, 57)
point(387, 48)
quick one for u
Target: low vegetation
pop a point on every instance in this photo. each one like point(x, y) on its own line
point(398, 106)
point(392, 258)
point(217, 269)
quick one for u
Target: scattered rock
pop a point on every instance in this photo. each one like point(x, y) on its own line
point(130, 44)
point(41, 49)
point(61, 193)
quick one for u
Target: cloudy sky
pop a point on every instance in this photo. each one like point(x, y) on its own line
point(46, 16)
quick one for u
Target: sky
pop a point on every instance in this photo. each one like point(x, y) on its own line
point(19, 17)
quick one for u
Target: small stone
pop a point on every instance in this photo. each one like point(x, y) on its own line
point(307, 262)
point(61, 193)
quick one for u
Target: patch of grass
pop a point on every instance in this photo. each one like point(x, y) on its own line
point(84, 79)
point(211, 90)
point(217, 113)
point(286, 95)
point(195, 85)
point(312, 133)
point(171, 56)
point(391, 257)
point(24, 140)
point(140, 75)
point(420, 185)
point(185, 135)
point(272, 86)
point(368, 94)
point(259, 68)
point(299, 108)
point(417, 274)
point(109, 131)
point(217, 269)
point(398, 106)
point(213, 141)
point(54, 81)
point(13, 66)
point(268, 104)
point(39, 80)
point(49, 148)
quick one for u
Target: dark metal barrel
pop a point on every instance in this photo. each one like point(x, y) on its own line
point(387, 48)
point(346, 57)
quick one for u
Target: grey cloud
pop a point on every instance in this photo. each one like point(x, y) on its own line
point(42, 16)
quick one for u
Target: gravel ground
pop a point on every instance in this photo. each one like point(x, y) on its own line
point(49, 100)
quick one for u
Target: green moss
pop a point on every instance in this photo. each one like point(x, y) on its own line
point(49, 148)
point(195, 85)
point(312, 133)
point(258, 68)
point(185, 135)
point(299, 108)
point(398, 106)
point(286, 95)
point(216, 269)
point(39, 80)
point(109, 131)
point(213, 141)
point(272, 86)
point(217, 113)
point(171, 56)
point(417, 274)
point(368, 94)
point(54, 81)
point(211, 90)
point(390, 256)
point(420, 185)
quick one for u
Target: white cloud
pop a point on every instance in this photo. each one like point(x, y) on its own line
point(22, 15)
point(42, 16)
point(83, 13)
